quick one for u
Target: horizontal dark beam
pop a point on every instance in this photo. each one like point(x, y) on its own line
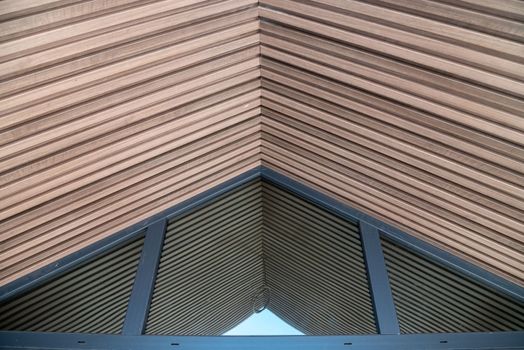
point(23, 340)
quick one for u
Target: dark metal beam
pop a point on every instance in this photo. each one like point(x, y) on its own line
point(381, 295)
point(497, 340)
point(140, 299)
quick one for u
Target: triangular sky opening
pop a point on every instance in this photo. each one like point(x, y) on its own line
point(263, 323)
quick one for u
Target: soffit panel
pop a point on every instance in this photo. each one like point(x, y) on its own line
point(112, 111)
point(404, 113)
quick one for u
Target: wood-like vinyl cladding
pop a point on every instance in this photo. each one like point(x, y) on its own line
point(411, 111)
point(112, 110)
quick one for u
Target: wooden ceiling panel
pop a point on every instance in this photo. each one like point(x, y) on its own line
point(404, 113)
point(112, 111)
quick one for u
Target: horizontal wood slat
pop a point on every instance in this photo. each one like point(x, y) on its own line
point(112, 111)
point(411, 111)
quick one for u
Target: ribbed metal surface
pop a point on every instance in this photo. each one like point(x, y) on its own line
point(113, 110)
point(90, 299)
point(432, 299)
point(211, 267)
point(411, 111)
point(225, 260)
point(314, 268)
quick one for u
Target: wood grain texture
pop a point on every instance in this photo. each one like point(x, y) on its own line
point(114, 110)
point(411, 111)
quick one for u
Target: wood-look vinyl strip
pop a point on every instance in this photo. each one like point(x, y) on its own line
point(83, 198)
point(130, 202)
point(497, 253)
point(99, 213)
point(27, 25)
point(502, 209)
point(493, 152)
point(400, 150)
point(457, 16)
point(112, 120)
point(114, 110)
point(389, 72)
point(126, 130)
point(410, 174)
point(116, 42)
point(452, 34)
point(124, 95)
point(78, 90)
point(407, 39)
point(490, 79)
point(368, 172)
point(410, 111)
point(91, 27)
point(496, 129)
point(91, 60)
point(61, 185)
point(444, 151)
point(513, 9)
point(17, 8)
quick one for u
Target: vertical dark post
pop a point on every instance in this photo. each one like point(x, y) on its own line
point(382, 297)
point(138, 307)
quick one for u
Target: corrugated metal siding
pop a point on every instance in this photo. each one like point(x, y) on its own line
point(411, 111)
point(218, 261)
point(314, 268)
point(432, 299)
point(90, 299)
point(111, 111)
point(211, 267)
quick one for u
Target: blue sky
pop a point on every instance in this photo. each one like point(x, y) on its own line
point(264, 323)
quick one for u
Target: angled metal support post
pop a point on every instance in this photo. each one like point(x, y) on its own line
point(382, 297)
point(138, 307)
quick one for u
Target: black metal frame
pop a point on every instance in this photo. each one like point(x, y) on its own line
point(389, 336)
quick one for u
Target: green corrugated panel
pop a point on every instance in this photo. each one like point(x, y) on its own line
point(218, 259)
point(432, 299)
point(314, 267)
point(90, 299)
point(211, 267)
